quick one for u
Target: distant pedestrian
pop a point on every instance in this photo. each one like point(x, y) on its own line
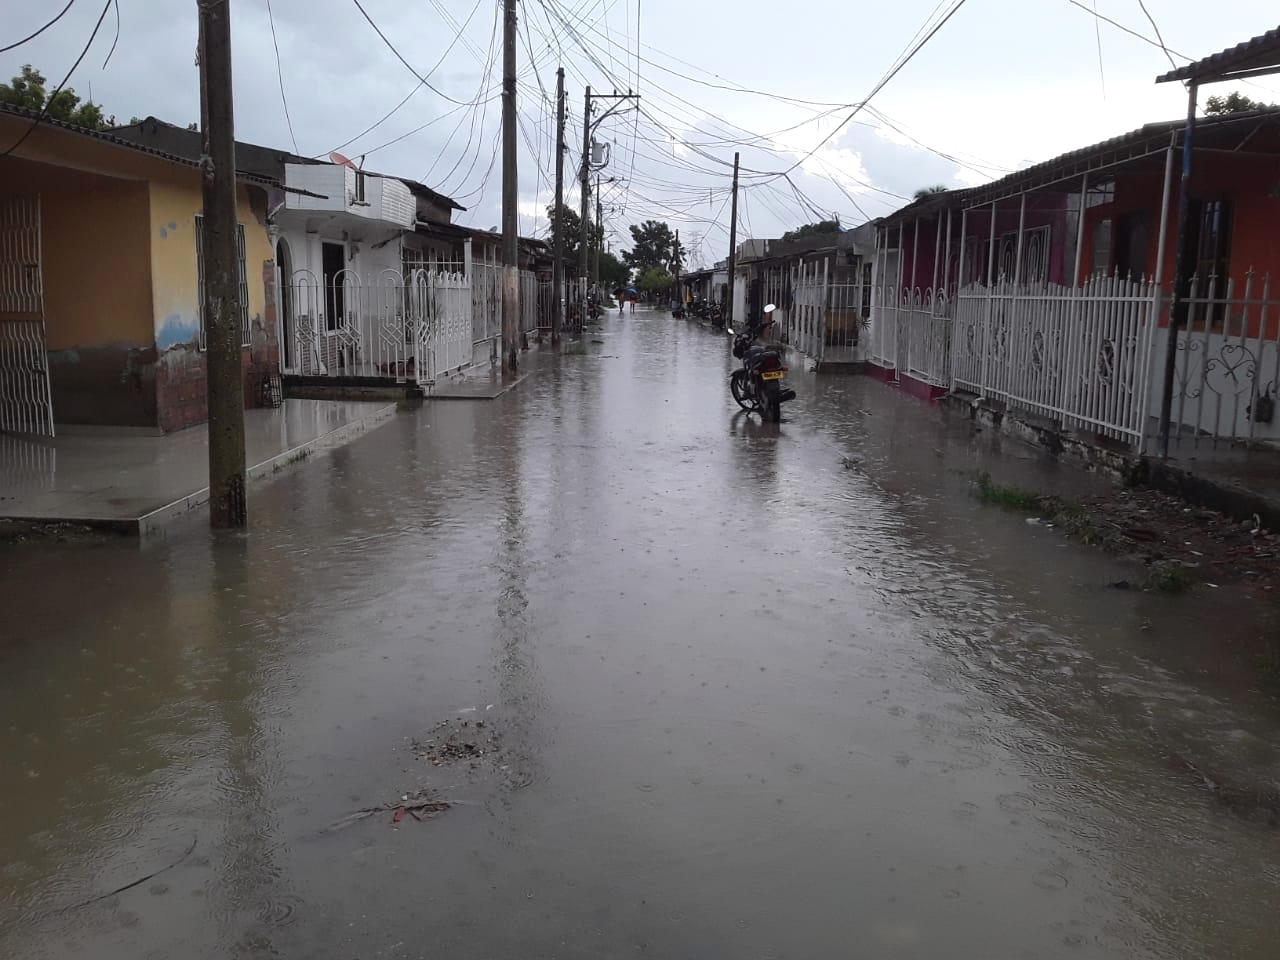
point(633, 301)
point(620, 295)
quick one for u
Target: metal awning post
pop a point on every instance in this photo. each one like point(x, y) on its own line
point(1182, 270)
point(1017, 251)
point(991, 301)
point(1084, 206)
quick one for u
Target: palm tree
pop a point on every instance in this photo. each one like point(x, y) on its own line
point(930, 191)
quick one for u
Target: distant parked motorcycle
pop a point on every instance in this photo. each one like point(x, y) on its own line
point(758, 384)
point(715, 315)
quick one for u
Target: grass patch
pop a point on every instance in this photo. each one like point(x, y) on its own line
point(1011, 498)
point(1167, 577)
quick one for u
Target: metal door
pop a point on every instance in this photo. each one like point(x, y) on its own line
point(25, 402)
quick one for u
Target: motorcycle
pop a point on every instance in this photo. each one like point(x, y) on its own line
point(715, 315)
point(758, 384)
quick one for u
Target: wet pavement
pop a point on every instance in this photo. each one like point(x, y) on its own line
point(747, 691)
point(137, 482)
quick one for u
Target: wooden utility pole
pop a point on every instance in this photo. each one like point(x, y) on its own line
point(733, 244)
point(228, 508)
point(557, 269)
point(510, 200)
point(585, 224)
point(595, 271)
point(676, 270)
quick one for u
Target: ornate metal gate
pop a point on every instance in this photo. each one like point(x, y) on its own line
point(26, 405)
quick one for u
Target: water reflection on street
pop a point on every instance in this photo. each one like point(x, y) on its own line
point(758, 691)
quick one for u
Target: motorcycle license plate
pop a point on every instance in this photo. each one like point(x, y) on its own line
point(771, 375)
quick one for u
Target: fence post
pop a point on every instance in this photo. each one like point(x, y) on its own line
point(991, 303)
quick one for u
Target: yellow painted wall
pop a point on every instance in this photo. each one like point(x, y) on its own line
point(176, 199)
point(95, 254)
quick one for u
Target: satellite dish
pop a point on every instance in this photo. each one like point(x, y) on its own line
point(336, 157)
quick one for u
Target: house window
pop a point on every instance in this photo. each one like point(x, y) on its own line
point(1034, 267)
point(974, 268)
point(1131, 245)
point(1035, 255)
point(1210, 222)
point(333, 262)
point(1100, 246)
point(1100, 193)
point(244, 284)
point(360, 187)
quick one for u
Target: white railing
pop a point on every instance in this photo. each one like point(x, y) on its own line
point(910, 333)
point(1228, 364)
point(807, 316)
point(928, 337)
point(486, 308)
point(399, 326)
point(1080, 355)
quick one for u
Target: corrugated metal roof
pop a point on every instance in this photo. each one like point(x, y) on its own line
point(1127, 147)
point(1260, 53)
point(106, 137)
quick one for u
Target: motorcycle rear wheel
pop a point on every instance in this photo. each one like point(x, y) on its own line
point(770, 404)
point(738, 387)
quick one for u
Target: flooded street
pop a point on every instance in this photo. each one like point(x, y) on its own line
point(748, 691)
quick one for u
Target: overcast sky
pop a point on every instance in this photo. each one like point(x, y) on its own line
point(1002, 84)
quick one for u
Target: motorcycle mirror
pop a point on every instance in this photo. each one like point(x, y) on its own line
point(769, 308)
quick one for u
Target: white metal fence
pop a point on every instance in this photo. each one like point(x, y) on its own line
point(1092, 356)
point(912, 332)
point(418, 324)
point(1228, 363)
point(1081, 355)
point(823, 317)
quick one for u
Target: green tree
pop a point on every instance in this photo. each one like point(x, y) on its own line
point(27, 90)
point(653, 245)
point(656, 280)
point(613, 272)
point(819, 229)
point(930, 191)
point(567, 220)
point(1234, 102)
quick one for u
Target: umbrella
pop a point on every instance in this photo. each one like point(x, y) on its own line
point(632, 290)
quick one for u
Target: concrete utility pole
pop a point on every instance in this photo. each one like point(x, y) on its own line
point(557, 269)
point(585, 222)
point(228, 508)
point(510, 208)
point(733, 244)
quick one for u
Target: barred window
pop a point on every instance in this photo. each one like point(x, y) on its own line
point(244, 283)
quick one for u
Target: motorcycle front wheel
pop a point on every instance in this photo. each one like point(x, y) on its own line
point(740, 389)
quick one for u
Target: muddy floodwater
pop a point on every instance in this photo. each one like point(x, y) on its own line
point(692, 687)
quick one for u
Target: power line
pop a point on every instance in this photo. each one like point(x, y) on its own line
point(107, 59)
point(27, 39)
point(394, 110)
point(884, 81)
point(1097, 32)
point(44, 111)
point(1156, 28)
point(408, 66)
point(271, 20)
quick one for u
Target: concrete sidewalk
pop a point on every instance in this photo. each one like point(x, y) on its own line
point(134, 484)
point(489, 381)
point(1241, 483)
